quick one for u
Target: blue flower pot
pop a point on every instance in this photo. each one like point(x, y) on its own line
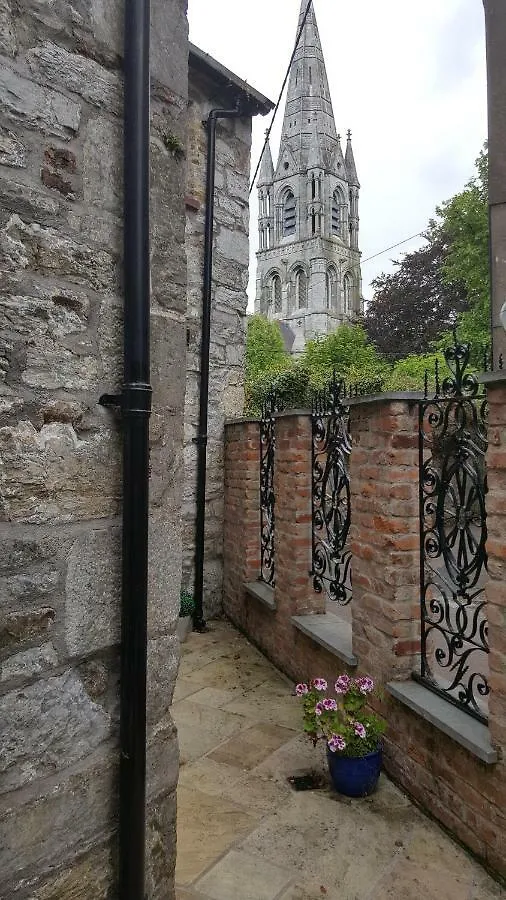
point(355, 776)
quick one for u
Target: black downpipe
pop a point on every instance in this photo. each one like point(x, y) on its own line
point(201, 439)
point(135, 405)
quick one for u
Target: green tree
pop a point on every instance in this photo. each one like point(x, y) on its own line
point(348, 352)
point(265, 349)
point(412, 306)
point(464, 220)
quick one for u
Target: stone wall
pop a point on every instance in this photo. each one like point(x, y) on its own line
point(228, 320)
point(453, 765)
point(60, 452)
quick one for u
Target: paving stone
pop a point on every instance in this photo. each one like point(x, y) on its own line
point(219, 779)
point(330, 841)
point(201, 729)
point(239, 875)
point(252, 746)
point(272, 701)
point(207, 827)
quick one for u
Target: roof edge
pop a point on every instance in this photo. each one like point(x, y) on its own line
point(253, 101)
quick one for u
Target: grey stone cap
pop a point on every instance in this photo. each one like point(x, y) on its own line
point(387, 397)
point(454, 722)
point(492, 377)
point(331, 633)
point(252, 100)
point(242, 421)
point(261, 591)
point(292, 412)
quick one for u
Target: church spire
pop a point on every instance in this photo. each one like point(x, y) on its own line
point(351, 168)
point(266, 173)
point(308, 104)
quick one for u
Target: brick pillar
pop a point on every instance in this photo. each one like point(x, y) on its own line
point(385, 536)
point(294, 592)
point(241, 539)
point(496, 547)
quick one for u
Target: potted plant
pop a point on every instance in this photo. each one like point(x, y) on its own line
point(352, 734)
point(186, 609)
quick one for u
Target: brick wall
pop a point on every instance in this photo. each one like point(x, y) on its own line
point(384, 537)
point(467, 795)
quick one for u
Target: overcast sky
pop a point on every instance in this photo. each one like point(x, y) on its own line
point(408, 78)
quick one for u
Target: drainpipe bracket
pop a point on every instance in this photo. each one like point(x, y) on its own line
point(110, 400)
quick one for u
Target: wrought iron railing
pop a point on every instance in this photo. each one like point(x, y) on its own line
point(453, 532)
point(267, 498)
point(331, 508)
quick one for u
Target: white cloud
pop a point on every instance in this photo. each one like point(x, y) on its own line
point(409, 79)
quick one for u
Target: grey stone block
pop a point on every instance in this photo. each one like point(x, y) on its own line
point(12, 149)
point(48, 725)
point(92, 592)
point(45, 828)
point(37, 107)
point(29, 663)
point(73, 72)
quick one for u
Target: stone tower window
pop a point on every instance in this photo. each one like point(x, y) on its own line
point(289, 214)
point(331, 288)
point(276, 293)
point(300, 289)
point(347, 290)
point(338, 206)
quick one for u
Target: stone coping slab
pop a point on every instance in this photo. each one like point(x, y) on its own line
point(331, 633)
point(454, 722)
point(262, 592)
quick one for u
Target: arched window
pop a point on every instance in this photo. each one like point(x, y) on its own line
point(331, 289)
point(276, 294)
point(338, 213)
point(347, 294)
point(300, 289)
point(289, 214)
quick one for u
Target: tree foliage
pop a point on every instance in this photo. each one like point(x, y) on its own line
point(412, 306)
point(265, 349)
point(443, 285)
point(464, 220)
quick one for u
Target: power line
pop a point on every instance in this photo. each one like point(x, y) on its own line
point(268, 132)
point(381, 252)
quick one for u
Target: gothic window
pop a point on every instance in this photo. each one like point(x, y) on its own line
point(338, 213)
point(300, 289)
point(313, 222)
point(276, 294)
point(313, 187)
point(268, 203)
point(331, 288)
point(289, 214)
point(347, 291)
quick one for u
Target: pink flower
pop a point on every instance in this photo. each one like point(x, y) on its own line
point(342, 684)
point(329, 704)
point(318, 708)
point(336, 742)
point(359, 729)
point(319, 684)
point(301, 689)
point(365, 685)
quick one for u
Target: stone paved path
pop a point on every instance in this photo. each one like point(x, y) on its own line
point(244, 834)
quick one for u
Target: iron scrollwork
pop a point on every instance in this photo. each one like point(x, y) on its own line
point(267, 518)
point(331, 508)
point(453, 533)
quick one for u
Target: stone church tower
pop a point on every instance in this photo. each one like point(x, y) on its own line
point(308, 270)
